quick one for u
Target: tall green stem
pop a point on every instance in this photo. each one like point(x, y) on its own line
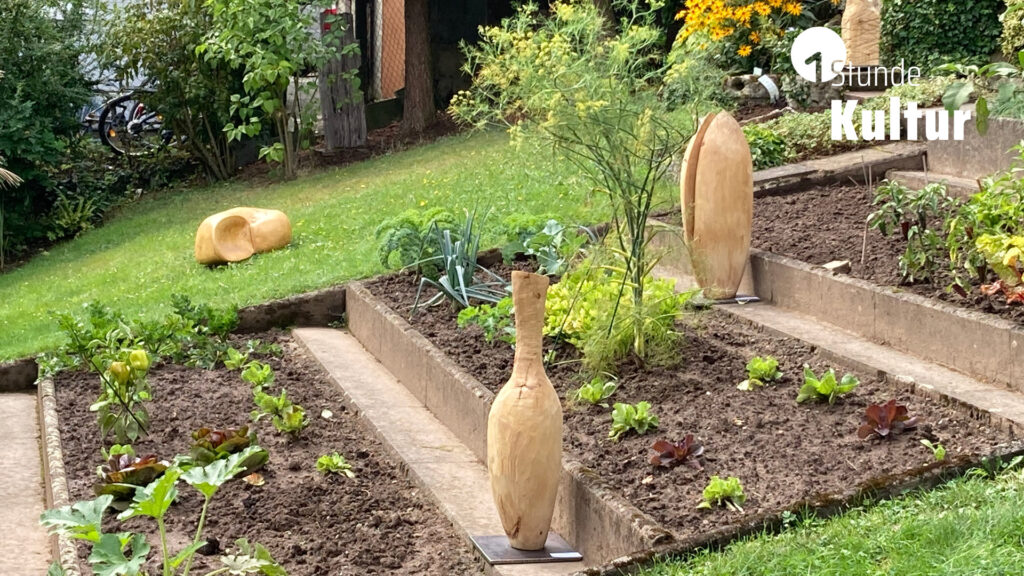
point(199, 532)
point(163, 547)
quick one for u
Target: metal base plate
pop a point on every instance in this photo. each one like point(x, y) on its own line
point(703, 302)
point(496, 550)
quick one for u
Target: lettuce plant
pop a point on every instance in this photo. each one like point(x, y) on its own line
point(258, 374)
point(669, 454)
point(626, 417)
point(727, 492)
point(596, 391)
point(210, 445)
point(334, 464)
point(495, 320)
point(287, 417)
point(124, 472)
point(825, 388)
point(885, 420)
point(760, 371)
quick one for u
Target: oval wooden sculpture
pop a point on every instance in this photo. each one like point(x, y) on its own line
point(862, 26)
point(236, 234)
point(524, 428)
point(717, 194)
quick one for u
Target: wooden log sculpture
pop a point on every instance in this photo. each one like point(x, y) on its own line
point(862, 25)
point(236, 234)
point(717, 189)
point(524, 428)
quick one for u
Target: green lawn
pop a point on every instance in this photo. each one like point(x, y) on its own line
point(144, 254)
point(971, 526)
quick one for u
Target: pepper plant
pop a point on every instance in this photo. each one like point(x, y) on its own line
point(593, 90)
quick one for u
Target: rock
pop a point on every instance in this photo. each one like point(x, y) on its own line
point(838, 266)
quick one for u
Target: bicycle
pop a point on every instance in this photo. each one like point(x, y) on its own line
point(125, 124)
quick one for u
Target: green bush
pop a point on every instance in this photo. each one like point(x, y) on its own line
point(578, 311)
point(41, 91)
point(927, 33)
point(808, 134)
point(1012, 40)
point(767, 148)
point(157, 39)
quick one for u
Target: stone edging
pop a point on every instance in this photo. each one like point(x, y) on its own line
point(54, 478)
point(600, 523)
point(923, 478)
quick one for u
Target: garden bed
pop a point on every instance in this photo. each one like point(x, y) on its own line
point(375, 523)
point(786, 455)
point(828, 223)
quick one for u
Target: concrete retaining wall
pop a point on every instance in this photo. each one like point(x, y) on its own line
point(599, 523)
point(976, 155)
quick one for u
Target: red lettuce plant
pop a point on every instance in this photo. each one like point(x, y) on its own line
point(889, 418)
point(669, 454)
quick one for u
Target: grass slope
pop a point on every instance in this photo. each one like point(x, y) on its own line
point(144, 254)
point(970, 526)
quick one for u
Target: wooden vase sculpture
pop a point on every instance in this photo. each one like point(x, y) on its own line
point(524, 428)
point(717, 190)
point(236, 234)
point(862, 25)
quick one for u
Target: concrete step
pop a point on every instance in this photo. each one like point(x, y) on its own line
point(916, 180)
point(24, 545)
point(436, 460)
point(868, 357)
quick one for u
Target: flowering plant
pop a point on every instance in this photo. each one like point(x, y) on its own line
point(748, 31)
point(593, 90)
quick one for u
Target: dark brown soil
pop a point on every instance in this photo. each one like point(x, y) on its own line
point(828, 223)
point(376, 523)
point(783, 453)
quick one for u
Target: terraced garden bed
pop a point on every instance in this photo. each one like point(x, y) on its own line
point(376, 522)
point(787, 456)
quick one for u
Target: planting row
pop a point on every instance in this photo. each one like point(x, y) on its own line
point(236, 456)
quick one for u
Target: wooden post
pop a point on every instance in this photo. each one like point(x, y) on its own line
point(341, 102)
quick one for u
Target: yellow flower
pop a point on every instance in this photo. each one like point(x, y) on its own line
point(755, 37)
point(793, 8)
point(744, 50)
point(762, 8)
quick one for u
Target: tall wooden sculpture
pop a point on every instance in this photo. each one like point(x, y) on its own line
point(862, 25)
point(717, 183)
point(524, 429)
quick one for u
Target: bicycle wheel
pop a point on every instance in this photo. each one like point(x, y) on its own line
point(128, 127)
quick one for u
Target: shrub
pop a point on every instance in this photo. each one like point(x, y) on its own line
point(767, 148)
point(926, 33)
point(157, 39)
point(578, 311)
point(1012, 39)
point(270, 44)
point(41, 91)
point(808, 134)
